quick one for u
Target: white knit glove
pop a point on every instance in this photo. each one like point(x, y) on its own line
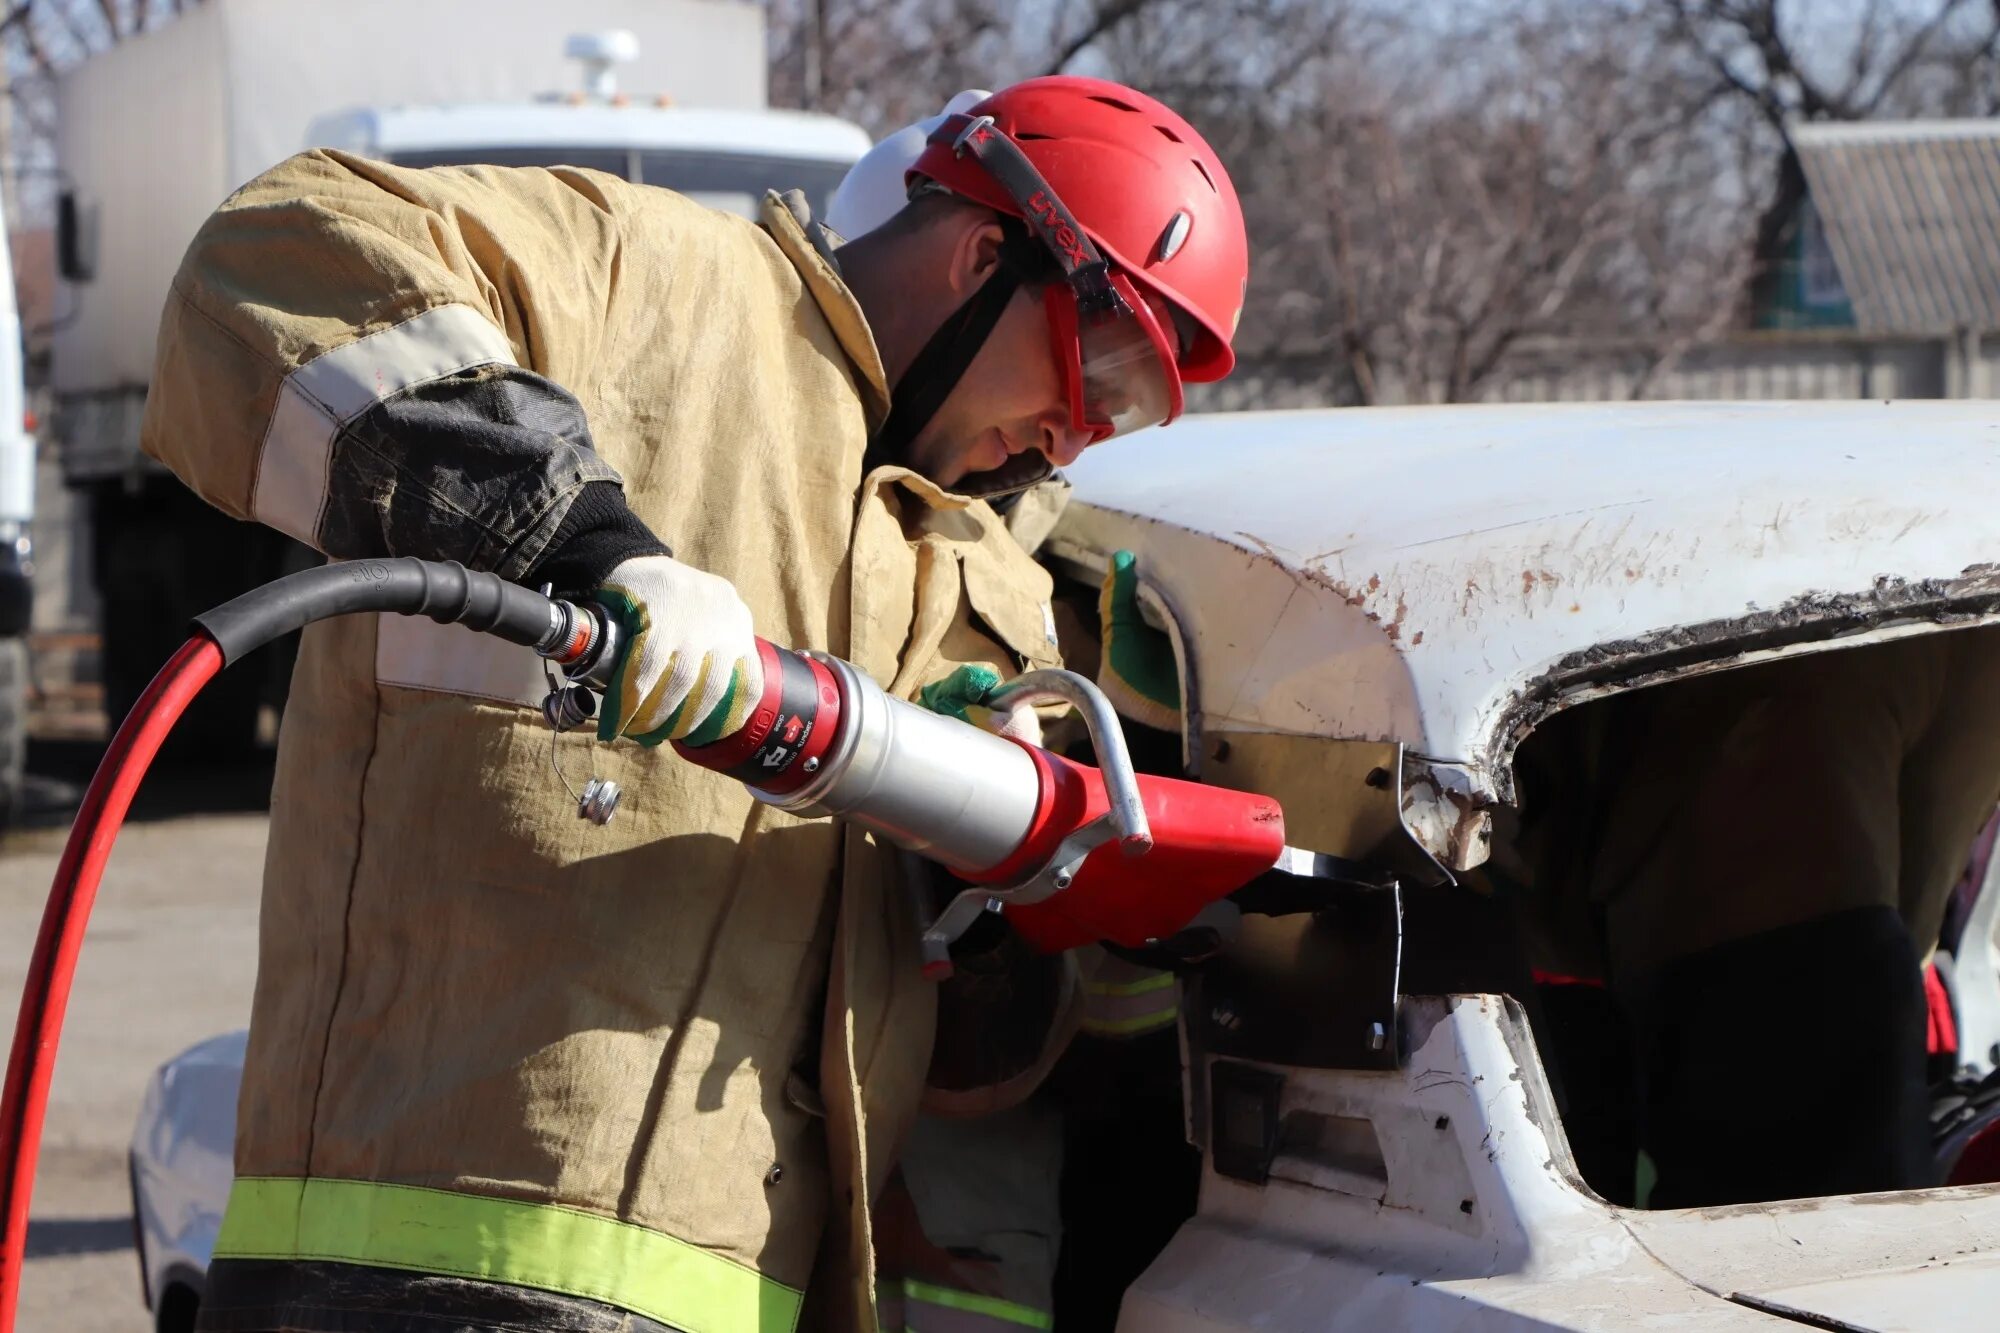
point(689, 668)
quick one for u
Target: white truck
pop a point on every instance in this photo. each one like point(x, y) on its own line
point(17, 512)
point(156, 132)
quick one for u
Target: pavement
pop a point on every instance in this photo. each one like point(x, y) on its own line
point(170, 959)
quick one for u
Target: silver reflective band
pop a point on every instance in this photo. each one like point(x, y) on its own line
point(420, 654)
point(327, 392)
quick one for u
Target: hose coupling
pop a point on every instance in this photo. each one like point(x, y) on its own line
point(583, 640)
point(569, 707)
point(599, 801)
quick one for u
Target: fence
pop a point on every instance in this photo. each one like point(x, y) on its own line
point(1820, 364)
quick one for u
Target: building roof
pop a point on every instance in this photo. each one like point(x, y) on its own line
point(1912, 215)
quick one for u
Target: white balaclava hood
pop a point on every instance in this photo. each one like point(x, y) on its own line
point(872, 192)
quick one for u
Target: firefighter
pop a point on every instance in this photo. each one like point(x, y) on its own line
point(1772, 872)
point(1758, 862)
point(508, 1070)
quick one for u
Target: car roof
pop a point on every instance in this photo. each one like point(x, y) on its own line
point(1443, 576)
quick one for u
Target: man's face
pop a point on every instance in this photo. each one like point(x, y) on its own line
point(1011, 400)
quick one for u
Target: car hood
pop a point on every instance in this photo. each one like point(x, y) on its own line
point(1921, 1259)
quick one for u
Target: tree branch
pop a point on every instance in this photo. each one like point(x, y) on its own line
point(1915, 47)
point(1108, 16)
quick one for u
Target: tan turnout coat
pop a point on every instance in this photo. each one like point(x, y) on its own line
point(704, 1020)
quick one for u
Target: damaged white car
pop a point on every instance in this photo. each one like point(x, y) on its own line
point(1404, 625)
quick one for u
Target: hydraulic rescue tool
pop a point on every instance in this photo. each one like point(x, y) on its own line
point(1071, 854)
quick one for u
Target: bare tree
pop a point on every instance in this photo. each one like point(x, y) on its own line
point(885, 63)
point(1783, 62)
point(1422, 196)
point(1898, 57)
point(1428, 199)
point(39, 40)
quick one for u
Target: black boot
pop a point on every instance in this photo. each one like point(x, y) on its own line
point(1787, 1065)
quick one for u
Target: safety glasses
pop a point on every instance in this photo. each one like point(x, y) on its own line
point(1116, 352)
point(1118, 360)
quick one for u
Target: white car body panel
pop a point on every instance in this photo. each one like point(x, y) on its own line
point(1475, 1220)
point(183, 1159)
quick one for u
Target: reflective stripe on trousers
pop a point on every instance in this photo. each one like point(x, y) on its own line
point(1122, 999)
point(910, 1306)
point(542, 1246)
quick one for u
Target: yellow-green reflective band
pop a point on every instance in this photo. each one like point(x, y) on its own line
point(1131, 1008)
point(990, 1306)
point(522, 1244)
point(1143, 986)
point(1129, 1027)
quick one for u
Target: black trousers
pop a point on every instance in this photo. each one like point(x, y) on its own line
point(1787, 1065)
point(279, 1296)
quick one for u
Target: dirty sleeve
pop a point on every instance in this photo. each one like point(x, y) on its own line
point(384, 361)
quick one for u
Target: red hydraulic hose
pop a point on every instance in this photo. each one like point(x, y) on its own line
point(46, 994)
point(441, 590)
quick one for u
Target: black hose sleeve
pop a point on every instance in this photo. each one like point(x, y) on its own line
point(444, 590)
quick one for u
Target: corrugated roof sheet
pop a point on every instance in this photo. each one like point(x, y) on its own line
point(1912, 215)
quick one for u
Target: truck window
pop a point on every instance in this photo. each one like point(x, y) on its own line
point(736, 182)
point(617, 161)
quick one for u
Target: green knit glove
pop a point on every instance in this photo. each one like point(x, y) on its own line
point(1137, 671)
point(963, 694)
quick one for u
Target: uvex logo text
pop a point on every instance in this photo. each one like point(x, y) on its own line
point(1057, 228)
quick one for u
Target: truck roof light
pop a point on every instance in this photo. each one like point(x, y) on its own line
point(599, 51)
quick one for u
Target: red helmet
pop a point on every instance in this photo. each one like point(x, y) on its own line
point(1150, 197)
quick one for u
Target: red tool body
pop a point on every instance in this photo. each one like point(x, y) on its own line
point(1208, 842)
point(1000, 813)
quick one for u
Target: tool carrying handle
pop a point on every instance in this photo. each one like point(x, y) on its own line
point(1107, 737)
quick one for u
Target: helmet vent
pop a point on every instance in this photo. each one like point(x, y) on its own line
point(1023, 136)
point(1112, 101)
point(1204, 174)
point(1168, 133)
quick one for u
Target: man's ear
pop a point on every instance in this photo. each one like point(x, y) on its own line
point(976, 255)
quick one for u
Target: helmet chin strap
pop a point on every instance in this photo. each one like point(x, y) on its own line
point(943, 361)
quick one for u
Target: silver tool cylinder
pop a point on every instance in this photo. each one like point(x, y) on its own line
point(958, 795)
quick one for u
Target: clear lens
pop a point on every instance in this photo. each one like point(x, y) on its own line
point(1122, 372)
point(1126, 386)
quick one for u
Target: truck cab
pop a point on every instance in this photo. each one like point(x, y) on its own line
point(725, 159)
